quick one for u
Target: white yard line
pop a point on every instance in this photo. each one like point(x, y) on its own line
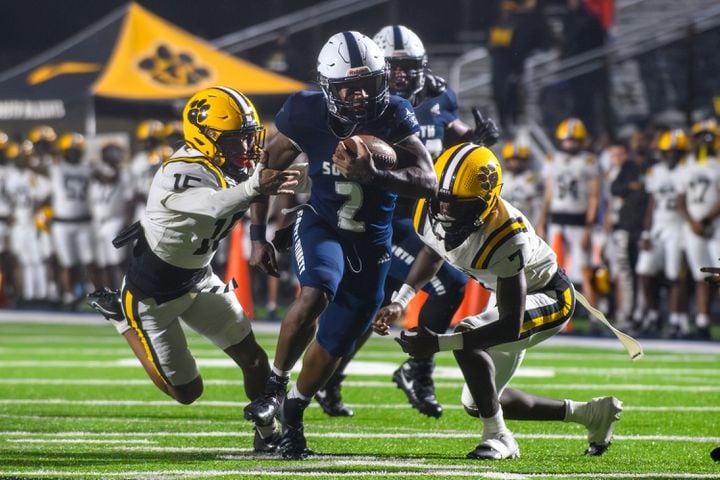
point(350, 435)
point(83, 441)
point(289, 472)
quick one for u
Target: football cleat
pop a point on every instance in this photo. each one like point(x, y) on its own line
point(293, 445)
point(499, 447)
point(107, 303)
point(601, 414)
point(263, 409)
point(414, 377)
point(266, 444)
point(330, 399)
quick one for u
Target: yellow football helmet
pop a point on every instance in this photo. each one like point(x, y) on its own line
point(150, 129)
point(469, 182)
point(12, 151)
point(223, 124)
point(705, 126)
point(675, 139)
point(42, 133)
point(515, 150)
point(571, 129)
point(71, 146)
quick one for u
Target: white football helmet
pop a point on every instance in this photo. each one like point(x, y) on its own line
point(353, 75)
point(407, 57)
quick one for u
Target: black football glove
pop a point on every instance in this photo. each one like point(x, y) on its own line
point(282, 240)
point(486, 132)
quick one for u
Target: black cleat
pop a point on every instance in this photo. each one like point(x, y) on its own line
point(293, 445)
point(330, 399)
point(263, 409)
point(414, 377)
point(268, 444)
point(107, 303)
point(597, 449)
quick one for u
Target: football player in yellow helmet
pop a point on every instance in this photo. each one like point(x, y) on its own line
point(571, 135)
point(470, 226)
point(223, 124)
point(43, 138)
point(71, 146)
point(150, 131)
point(196, 197)
point(705, 138)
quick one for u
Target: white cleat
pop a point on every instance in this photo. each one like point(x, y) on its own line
point(496, 448)
point(602, 413)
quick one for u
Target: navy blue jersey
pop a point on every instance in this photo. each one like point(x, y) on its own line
point(352, 209)
point(434, 115)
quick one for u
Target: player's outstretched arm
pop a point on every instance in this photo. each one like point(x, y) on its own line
point(280, 153)
point(426, 265)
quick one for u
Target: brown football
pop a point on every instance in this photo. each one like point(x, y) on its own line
point(383, 155)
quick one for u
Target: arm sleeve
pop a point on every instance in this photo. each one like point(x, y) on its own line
point(214, 203)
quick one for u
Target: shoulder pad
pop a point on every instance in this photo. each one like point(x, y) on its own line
point(201, 171)
point(434, 85)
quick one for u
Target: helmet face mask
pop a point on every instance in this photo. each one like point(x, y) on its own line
point(459, 217)
point(407, 76)
point(353, 76)
point(407, 57)
point(223, 124)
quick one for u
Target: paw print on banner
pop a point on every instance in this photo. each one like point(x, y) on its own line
point(173, 68)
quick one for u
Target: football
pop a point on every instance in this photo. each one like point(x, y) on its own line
point(383, 155)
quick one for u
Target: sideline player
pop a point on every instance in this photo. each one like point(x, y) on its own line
point(341, 238)
point(195, 199)
point(470, 226)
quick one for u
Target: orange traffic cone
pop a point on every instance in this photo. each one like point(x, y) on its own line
point(474, 302)
point(412, 312)
point(237, 267)
point(558, 246)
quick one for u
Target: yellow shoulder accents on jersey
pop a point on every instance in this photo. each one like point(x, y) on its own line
point(420, 216)
point(220, 177)
point(548, 316)
point(531, 178)
point(509, 227)
point(590, 159)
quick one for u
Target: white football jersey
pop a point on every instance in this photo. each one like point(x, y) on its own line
point(700, 181)
point(664, 185)
point(570, 175)
point(524, 190)
point(503, 246)
point(190, 208)
point(26, 190)
point(110, 200)
point(70, 185)
point(5, 208)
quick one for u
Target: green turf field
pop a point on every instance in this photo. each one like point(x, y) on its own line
point(75, 404)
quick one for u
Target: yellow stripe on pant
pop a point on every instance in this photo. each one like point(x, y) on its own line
point(131, 313)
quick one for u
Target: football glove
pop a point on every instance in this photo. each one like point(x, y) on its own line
point(486, 132)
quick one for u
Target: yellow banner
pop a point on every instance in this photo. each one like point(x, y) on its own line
point(155, 60)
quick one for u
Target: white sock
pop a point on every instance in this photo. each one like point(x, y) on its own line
point(575, 411)
point(295, 393)
point(280, 373)
point(492, 426)
point(702, 320)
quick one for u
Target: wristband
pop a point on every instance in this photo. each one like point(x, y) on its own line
point(403, 296)
point(450, 341)
point(257, 232)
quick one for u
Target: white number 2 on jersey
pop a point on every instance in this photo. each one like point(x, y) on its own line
point(348, 209)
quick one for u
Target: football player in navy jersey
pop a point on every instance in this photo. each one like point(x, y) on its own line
point(342, 237)
point(436, 109)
